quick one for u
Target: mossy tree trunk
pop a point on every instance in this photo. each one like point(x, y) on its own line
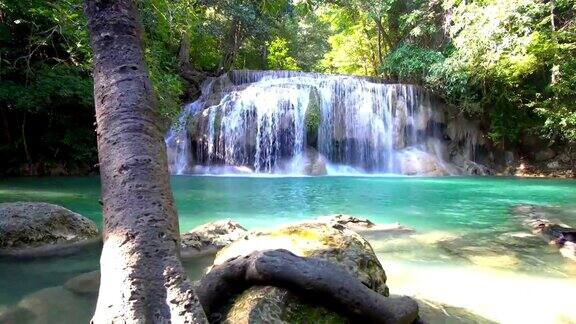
point(142, 278)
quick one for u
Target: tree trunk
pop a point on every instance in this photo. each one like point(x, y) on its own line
point(232, 46)
point(555, 71)
point(193, 78)
point(142, 278)
point(7, 135)
point(384, 35)
point(25, 142)
point(379, 28)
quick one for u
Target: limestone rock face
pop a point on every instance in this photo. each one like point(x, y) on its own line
point(36, 228)
point(209, 238)
point(544, 155)
point(315, 164)
point(316, 239)
point(415, 162)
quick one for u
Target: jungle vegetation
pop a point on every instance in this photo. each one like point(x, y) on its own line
point(510, 64)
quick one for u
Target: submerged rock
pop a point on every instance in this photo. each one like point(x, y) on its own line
point(541, 220)
point(50, 305)
point(37, 229)
point(363, 225)
point(209, 238)
point(314, 239)
point(84, 284)
point(433, 312)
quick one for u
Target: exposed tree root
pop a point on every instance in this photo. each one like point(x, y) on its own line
point(310, 278)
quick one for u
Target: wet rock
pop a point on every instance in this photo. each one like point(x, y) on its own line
point(491, 256)
point(541, 221)
point(433, 312)
point(554, 165)
point(209, 238)
point(363, 225)
point(315, 239)
point(84, 284)
point(273, 305)
point(417, 162)
point(544, 155)
point(473, 168)
point(16, 315)
point(39, 229)
point(315, 164)
point(50, 305)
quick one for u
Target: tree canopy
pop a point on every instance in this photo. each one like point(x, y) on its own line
point(510, 64)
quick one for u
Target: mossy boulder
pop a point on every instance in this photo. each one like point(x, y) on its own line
point(312, 118)
point(37, 229)
point(209, 238)
point(333, 243)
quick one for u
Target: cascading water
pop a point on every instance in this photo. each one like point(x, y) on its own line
point(304, 123)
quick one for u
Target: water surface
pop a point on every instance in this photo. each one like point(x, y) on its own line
point(465, 232)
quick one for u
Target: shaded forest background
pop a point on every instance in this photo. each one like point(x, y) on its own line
point(509, 64)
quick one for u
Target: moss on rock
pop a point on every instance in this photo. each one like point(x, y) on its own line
point(339, 245)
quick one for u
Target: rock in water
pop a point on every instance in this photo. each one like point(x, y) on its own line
point(541, 221)
point(39, 229)
point(84, 284)
point(50, 305)
point(363, 225)
point(209, 238)
point(269, 304)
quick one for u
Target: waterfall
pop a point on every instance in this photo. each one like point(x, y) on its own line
point(305, 123)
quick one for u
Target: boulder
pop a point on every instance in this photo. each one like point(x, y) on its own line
point(417, 162)
point(473, 168)
point(315, 164)
point(314, 239)
point(84, 284)
point(553, 165)
point(38, 229)
point(544, 155)
point(50, 305)
point(209, 238)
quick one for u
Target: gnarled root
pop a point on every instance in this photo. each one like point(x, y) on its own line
point(310, 278)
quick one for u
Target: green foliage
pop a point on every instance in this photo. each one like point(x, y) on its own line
point(410, 63)
point(511, 64)
point(503, 63)
point(45, 84)
point(278, 56)
point(351, 43)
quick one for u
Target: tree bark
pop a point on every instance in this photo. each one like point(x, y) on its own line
point(312, 279)
point(379, 29)
point(555, 70)
point(142, 278)
point(7, 135)
point(25, 142)
point(231, 46)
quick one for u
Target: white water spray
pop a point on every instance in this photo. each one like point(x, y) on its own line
point(303, 123)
